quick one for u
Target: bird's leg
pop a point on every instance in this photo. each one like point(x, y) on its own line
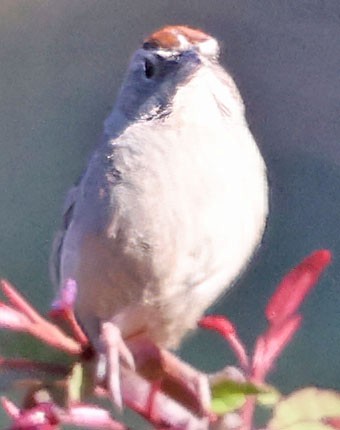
point(180, 381)
point(116, 352)
point(164, 371)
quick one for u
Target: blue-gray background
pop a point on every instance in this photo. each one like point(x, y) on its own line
point(61, 63)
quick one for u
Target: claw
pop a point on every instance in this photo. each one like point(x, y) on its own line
point(115, 351)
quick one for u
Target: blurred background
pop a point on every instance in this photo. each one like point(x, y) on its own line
point(61, 65)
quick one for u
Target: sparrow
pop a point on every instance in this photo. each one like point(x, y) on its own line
point(173, 201)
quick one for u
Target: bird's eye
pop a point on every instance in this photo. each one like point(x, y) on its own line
point(149, 68)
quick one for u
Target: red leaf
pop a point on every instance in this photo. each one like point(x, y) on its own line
point(10, 408)
point(270, 345)
point(218, 323)
point(62, 309)
point(90, 416)
point(295, 286)
point(333, 422)
point(12, 319)
point(40, 417)
point(19, 302)
point(226, 328)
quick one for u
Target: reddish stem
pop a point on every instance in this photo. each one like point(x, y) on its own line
point(248, 410)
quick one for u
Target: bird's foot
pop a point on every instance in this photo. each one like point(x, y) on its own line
point(178, 379)
point(166, 374)
point(116, 353)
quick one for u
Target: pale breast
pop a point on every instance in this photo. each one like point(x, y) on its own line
point(153, 247)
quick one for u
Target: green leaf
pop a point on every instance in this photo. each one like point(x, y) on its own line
point(228, 395)
point(306, 409)
point(81, 381)
point(229, 403)
point(75, 383)
point(269, 397)
point(308, 426)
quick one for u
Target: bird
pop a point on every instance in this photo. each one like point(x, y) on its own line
point(173, 201)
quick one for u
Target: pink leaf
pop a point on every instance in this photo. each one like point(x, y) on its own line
point(332, 422)
point(12, 319)
point(295, 286)
point(226, 328)
point(53, 336)
point(62, 308)
point(40, 417)
point(91, 417)
point(270, 345)
point(218, 323)
point(10, 408)
point(18, 301)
